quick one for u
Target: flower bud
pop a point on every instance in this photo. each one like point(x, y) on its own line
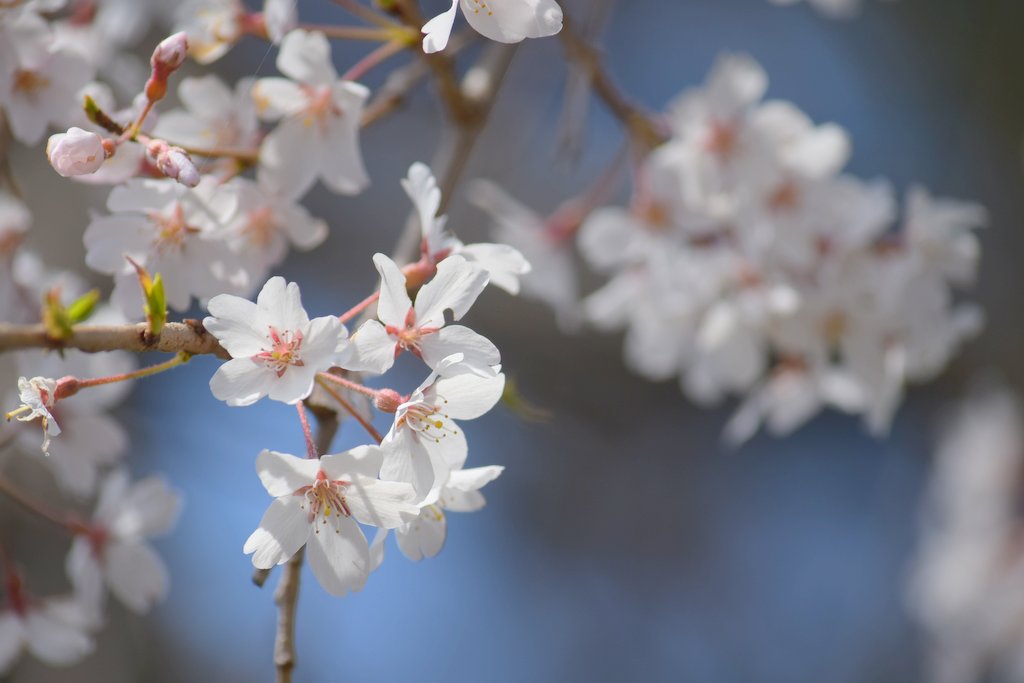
point(77, 152)
point(170, 53)
point(387, 400)
point(174, 162)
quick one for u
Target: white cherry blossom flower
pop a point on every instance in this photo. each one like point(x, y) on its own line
point(425, 443)
point(318, 136)
point(319, 503)
point(212, 26)
point(506, 21)
point(111, 551)
point(53, 630)
point(505, 265)
point(38, 396)
point(276, 349)
point(420, 328)
point(836, 9)
point(167, 229)
point(425, 536)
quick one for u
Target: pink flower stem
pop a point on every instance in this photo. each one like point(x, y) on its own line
point(348, 384)
point(311, 451)
point(359, 307)
point(352, 411)
point(180, 358)
point(378, 56)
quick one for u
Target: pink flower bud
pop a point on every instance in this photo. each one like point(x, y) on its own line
point(77, 152)
point(170, 53)
point(387, 400)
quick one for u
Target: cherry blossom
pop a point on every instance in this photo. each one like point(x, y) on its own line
point(317, 503)
point(276, 349)
point(112, 550)
point(506, 21)
point(170, 230)
point(420, 328)
point(425, 536)
point(54, 630)
point(318, 136)
point(38, 396)
point(425, 443)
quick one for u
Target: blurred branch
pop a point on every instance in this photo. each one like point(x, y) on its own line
point(286, 597)
point(189, 336)
point(643, 128)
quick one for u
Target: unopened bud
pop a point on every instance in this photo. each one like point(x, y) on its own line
point(387, 400)
point(174, 162)
point(77, 152)
point(66, 387)
point(170, 53)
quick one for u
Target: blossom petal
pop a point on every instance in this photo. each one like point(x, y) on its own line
point(233, 322)
point(136, 575)
point(394, 302)
point(149, 508)
point(54, 641)
point(424, 536)
point(287, 158)
point(511, 21)
point(240, 382)
point(373, 349)
point(282, 531)
point(438, 30)
point(12, 638)
point(339, 556)
point(305, 56)
point(477, 351)
point(407, 460)
point(283, 474)
point(385, 504)
point(361, 460)
point(341, 164)
point(455, 287)
point(468, 396)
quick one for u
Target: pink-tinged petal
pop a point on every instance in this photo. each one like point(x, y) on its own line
point(477, 351)
point(282, 531)
point(305, 56)
point(149, 508)
point(424, 536)
point(240, 382)
point(455, 287)
point(361, 460)
point(511, 21)
point(283, 474)
point(233, 321)
point(373, 349)
point(277, 97)
point(339, 556)
point(53, 640)
point(438, 30)
point(136, 575)
point(12, 639)
point(289, 158)
point(394, 303)
point(385, 504)
point(341, 163)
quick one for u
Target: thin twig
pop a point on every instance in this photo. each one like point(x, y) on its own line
point(286, 597)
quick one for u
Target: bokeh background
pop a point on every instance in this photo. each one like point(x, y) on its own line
point(623, 542)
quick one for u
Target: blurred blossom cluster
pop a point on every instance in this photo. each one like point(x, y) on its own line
point(749, 264)
point(966, 580)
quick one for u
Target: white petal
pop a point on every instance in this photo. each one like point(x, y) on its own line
point(424, 536)
point(12, 638)
point(407, 460)
point(149, 508)
point(277, 97)
point(361, 460)
point(394, 302)
point(281, 304)
point(455, 287)
point(339, 556)
point(439, 29)
point(385, 504)
point(509, 21)
point(234, 323)
point(283, 474)
point(288, 158)
point(306, 57)
point(241, 382)
point(468, 396)
point(504, 264)
point(86, 575)
point(282, 531)
point(136, 575)
point(54, 641)
point(373, 349)
point(477, 351)
point(341, 164)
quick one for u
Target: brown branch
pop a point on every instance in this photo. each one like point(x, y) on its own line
point(286, 597)
point(189, 336)
point(642, 127)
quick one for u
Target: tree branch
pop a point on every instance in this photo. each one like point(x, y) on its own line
point(189, 336)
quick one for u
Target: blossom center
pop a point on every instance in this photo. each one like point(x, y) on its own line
point(284, 350)
point(319, 106)
point(29, 82)
point(428, 420)
point(261, 227)
point(324, 498)
point(171, 230)
point(721, 139)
